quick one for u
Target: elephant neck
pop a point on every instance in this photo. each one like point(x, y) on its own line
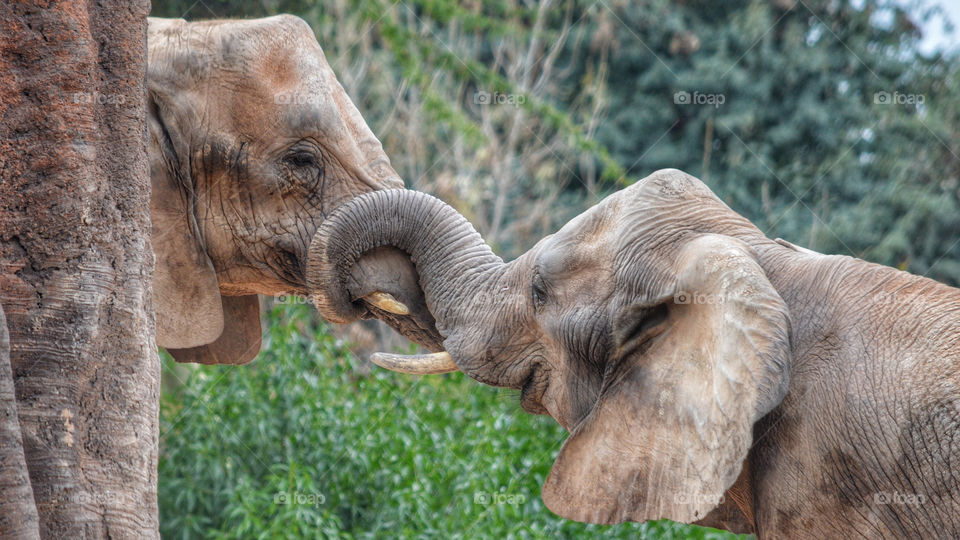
point(835, 300)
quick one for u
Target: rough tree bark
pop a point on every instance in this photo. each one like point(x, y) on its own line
point(18, 515)
point(76, 267)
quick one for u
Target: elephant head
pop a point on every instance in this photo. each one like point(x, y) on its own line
point(252, 142)
point(646, 327)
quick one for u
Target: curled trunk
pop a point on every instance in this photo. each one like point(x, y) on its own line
point(452, 260)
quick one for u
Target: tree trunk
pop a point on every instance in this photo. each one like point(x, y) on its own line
point(75, 269)
point(18, 515)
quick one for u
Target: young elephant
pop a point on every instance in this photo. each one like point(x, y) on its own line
point(252, 142)
point(698, 365)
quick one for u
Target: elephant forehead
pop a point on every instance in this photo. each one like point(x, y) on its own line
point(291, 69)
point(588, 229)
point(280, 52)
point(583, 244)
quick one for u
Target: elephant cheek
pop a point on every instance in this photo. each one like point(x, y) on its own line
point(562, 406)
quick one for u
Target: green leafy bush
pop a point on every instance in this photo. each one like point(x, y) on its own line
point(306, 442)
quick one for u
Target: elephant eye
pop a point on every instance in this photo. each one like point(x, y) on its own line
point(538, 291)
point(301, 159)
point(303, 166)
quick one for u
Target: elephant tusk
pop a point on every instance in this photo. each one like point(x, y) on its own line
point(387, 303)
point(416, 364)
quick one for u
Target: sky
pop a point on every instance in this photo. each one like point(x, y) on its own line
point(935, 36)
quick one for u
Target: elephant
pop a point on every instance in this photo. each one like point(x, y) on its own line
point(252, 140)
point(705, 373)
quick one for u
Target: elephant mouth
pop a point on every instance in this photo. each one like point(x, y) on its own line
point(384, 285)
point(533, 390)
point(417, 326)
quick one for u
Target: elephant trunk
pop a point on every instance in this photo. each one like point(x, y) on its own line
point(455, 265)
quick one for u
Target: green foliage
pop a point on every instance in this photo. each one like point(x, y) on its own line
point(302, 443)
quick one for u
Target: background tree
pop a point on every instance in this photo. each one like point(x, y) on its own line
point(834, 132)
point(76, 270)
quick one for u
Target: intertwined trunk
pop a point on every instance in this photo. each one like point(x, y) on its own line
point(75, 271)
point(450, 256)
point(464, 283)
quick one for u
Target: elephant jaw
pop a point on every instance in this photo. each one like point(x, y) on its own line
point(386, 284)
point(415, 324)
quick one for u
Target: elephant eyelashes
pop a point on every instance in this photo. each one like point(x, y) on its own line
point(302, 159)
point(538, 292)
point(304, 166)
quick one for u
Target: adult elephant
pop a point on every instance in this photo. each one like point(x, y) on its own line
point(698, 365)
point(252, 142)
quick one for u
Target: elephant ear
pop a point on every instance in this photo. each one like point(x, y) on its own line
point(240, 341)
point(673, 423)
point(193, 322)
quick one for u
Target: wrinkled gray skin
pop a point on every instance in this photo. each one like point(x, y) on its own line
point(705, 372)
point(252, 142)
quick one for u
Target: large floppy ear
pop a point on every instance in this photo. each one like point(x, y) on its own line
point(194, 323)
point(240, 341)
point(673, 423)
point(186, 295)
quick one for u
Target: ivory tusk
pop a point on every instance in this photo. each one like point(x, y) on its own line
point(416, 364)
point(387, 303)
